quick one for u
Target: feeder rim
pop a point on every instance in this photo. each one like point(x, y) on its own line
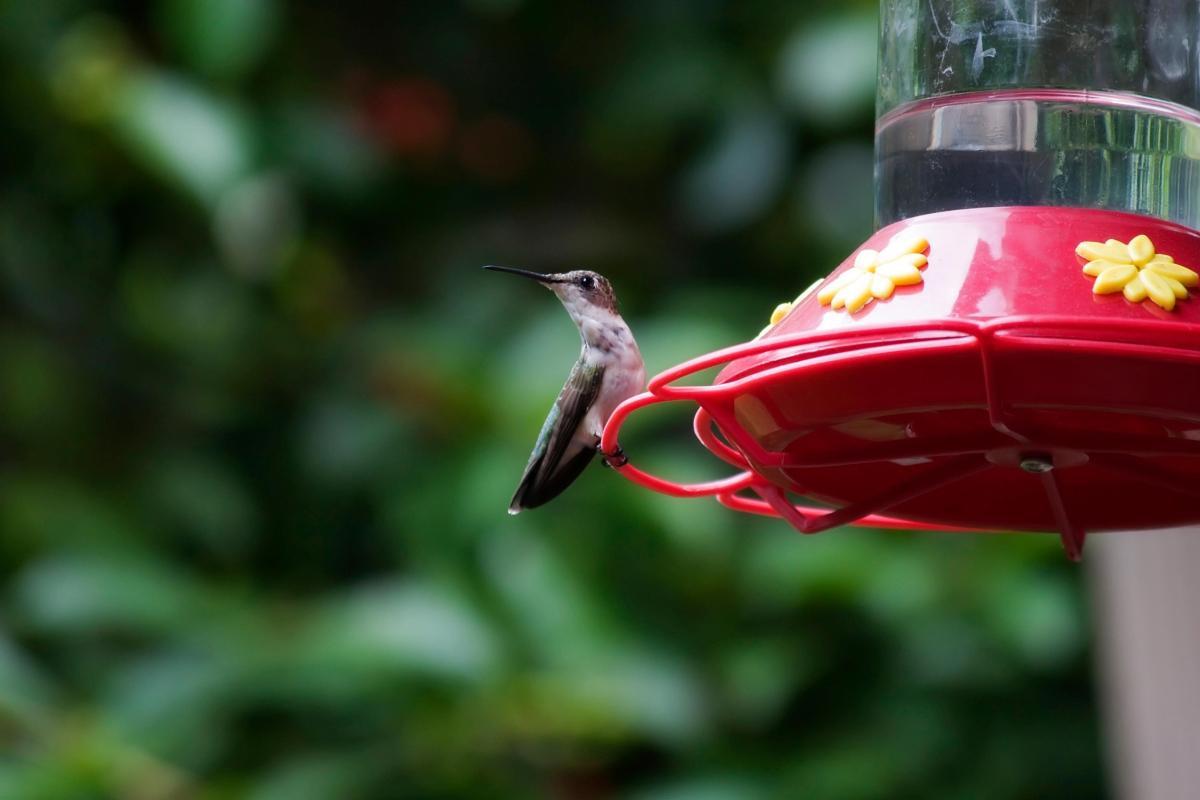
point(1114, 98)
point(1140, 337)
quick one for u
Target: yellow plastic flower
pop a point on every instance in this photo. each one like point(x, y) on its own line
point(1136, 270)
point(783, 309)
point(875, 275)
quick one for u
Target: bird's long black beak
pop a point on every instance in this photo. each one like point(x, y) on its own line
point(524, 273)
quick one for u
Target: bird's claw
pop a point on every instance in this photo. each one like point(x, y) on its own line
point(615, 460)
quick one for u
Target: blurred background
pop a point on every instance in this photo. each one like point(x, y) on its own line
point(261, 415)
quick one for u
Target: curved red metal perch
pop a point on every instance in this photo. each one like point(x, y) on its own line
point(1014, 439)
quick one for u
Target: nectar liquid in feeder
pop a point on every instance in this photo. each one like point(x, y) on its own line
point(1073, 103)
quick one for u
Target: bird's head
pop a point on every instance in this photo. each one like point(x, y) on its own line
point(582, 291)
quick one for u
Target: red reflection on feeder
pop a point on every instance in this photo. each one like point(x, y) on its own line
point(1003, 395)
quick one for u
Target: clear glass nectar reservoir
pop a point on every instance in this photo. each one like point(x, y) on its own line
point(1085, 103)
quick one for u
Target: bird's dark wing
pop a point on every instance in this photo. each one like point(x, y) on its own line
point(556, 460)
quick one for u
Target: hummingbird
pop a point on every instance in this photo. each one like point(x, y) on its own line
point(609, 370)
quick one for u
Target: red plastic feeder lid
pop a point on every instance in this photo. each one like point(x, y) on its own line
point(1040, 373)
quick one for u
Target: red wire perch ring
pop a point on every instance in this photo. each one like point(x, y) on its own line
point(772, 500)
point(1125, 454)
point(609, 447)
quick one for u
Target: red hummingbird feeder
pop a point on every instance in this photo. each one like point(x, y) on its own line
point(1017, 348)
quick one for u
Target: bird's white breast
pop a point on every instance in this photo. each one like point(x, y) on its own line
point(609, 343)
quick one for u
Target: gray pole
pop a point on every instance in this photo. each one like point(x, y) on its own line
point(1146, 596)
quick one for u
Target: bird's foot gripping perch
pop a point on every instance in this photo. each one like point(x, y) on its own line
point(614, 460)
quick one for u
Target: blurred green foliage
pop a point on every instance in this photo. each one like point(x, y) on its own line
point(261, 415)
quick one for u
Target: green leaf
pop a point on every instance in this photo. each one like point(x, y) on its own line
point(86, 593)
point(418, 628)
point(220, 38)
point(712, 787)
point(826, 70)
point(317, 776)
point(738, 176)
point(198, 143)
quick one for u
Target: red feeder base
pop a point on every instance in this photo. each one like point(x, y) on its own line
point(1000, 393)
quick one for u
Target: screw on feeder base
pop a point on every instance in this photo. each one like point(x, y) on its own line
point(1037, 464)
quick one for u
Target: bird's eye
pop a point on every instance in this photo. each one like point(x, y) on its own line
point(587, 283)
